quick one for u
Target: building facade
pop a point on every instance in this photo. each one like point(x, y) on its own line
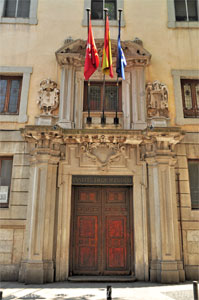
point(78, 198)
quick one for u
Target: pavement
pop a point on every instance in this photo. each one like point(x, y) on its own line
point(97, 291)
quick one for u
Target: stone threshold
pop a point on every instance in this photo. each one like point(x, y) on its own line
point(102, 278)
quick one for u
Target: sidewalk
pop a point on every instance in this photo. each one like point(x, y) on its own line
point(97, 291)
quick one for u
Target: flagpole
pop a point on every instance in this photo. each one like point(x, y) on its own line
point(103, 118)
point(116, 119)
point(89, 119)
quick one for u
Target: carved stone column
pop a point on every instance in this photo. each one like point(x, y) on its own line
point(37, 265)
point(165, 261)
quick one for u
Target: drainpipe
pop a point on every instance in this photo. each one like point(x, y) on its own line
point(180, 216)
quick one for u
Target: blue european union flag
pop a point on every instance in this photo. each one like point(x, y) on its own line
point(121, 60)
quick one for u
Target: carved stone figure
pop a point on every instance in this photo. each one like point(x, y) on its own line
point(157, 99)
point(48, 96)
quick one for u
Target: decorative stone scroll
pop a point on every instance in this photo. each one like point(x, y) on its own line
point(48, 96)
point(157, 99)
point(103, 154)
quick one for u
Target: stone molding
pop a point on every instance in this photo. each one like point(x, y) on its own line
point(156, 142)
point(73, 53)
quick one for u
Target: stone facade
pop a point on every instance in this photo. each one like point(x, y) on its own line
point(51, 147)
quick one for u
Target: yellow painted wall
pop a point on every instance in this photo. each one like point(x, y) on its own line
point(35, 45)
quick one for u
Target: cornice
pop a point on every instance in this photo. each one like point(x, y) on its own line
point(73, 53)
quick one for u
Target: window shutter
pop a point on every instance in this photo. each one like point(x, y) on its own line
point(194, 182)
point(192, 10)
point(111, 5)
point(3, 89)
point(97, 9)
point(23, 9)
point(10, 8)
point(180, 10)
point(6, 172)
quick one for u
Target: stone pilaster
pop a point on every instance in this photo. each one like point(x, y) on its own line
point(165, 260)
point(138, 105)
point(66, 108)
point(37, 265)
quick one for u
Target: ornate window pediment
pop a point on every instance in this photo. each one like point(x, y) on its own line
point(132, 111)
point(73, 52)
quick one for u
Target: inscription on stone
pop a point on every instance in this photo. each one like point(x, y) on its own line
point(101, 180)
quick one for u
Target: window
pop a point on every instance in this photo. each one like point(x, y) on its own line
point(96, 96)
point(186, 10)
point(17, 8)
point(186, 92)
point(5, 180)
point(18, 11)
point(97, 9)
point(183, 13)
point(97, 12)
point(10, 92)
point(190, 97)
point(193, 166)
point(14, 88)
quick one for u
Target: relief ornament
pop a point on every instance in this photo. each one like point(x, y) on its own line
point(48, 96)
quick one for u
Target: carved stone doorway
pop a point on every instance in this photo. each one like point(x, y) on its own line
point(101, 231)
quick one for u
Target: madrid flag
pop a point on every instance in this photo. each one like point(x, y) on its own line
point(92, 58)
point(107, 66)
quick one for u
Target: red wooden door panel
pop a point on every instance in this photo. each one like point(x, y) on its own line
point(87, 243)
point(101, 231)
point(116, 230)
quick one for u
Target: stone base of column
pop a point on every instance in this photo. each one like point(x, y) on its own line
point(167, 272)
point(65, 124)
point(139, 125)
point(36, 272)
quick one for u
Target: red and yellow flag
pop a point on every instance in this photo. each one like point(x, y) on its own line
point(92, 58)
point(107, 65)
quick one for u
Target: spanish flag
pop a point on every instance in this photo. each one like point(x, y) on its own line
point(107, 66)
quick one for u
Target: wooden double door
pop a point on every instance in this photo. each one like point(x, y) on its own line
point(101, 237)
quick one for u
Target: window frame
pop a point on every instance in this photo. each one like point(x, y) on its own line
point(32, 20)
point(7, 96)
point(177, 76)
point(25, 72)
point(193, 205)
point(194, 111)
point(172, 23)
point(119, 4)
point(100, 83)
point(6, 205)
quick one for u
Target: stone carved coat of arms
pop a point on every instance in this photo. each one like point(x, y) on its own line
point(48, 96)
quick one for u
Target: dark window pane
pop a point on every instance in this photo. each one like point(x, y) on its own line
point(180, 10)
point(111, 98)
point(192, 10)
point(97, 9)
point(3, 87)
point(14, 96)
point(111, 5)
point(6, 171)
point(197, 95)
point(194, 182)
point(10, 8)
point(23, 9)
point(95, 98)
point(188, 96)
